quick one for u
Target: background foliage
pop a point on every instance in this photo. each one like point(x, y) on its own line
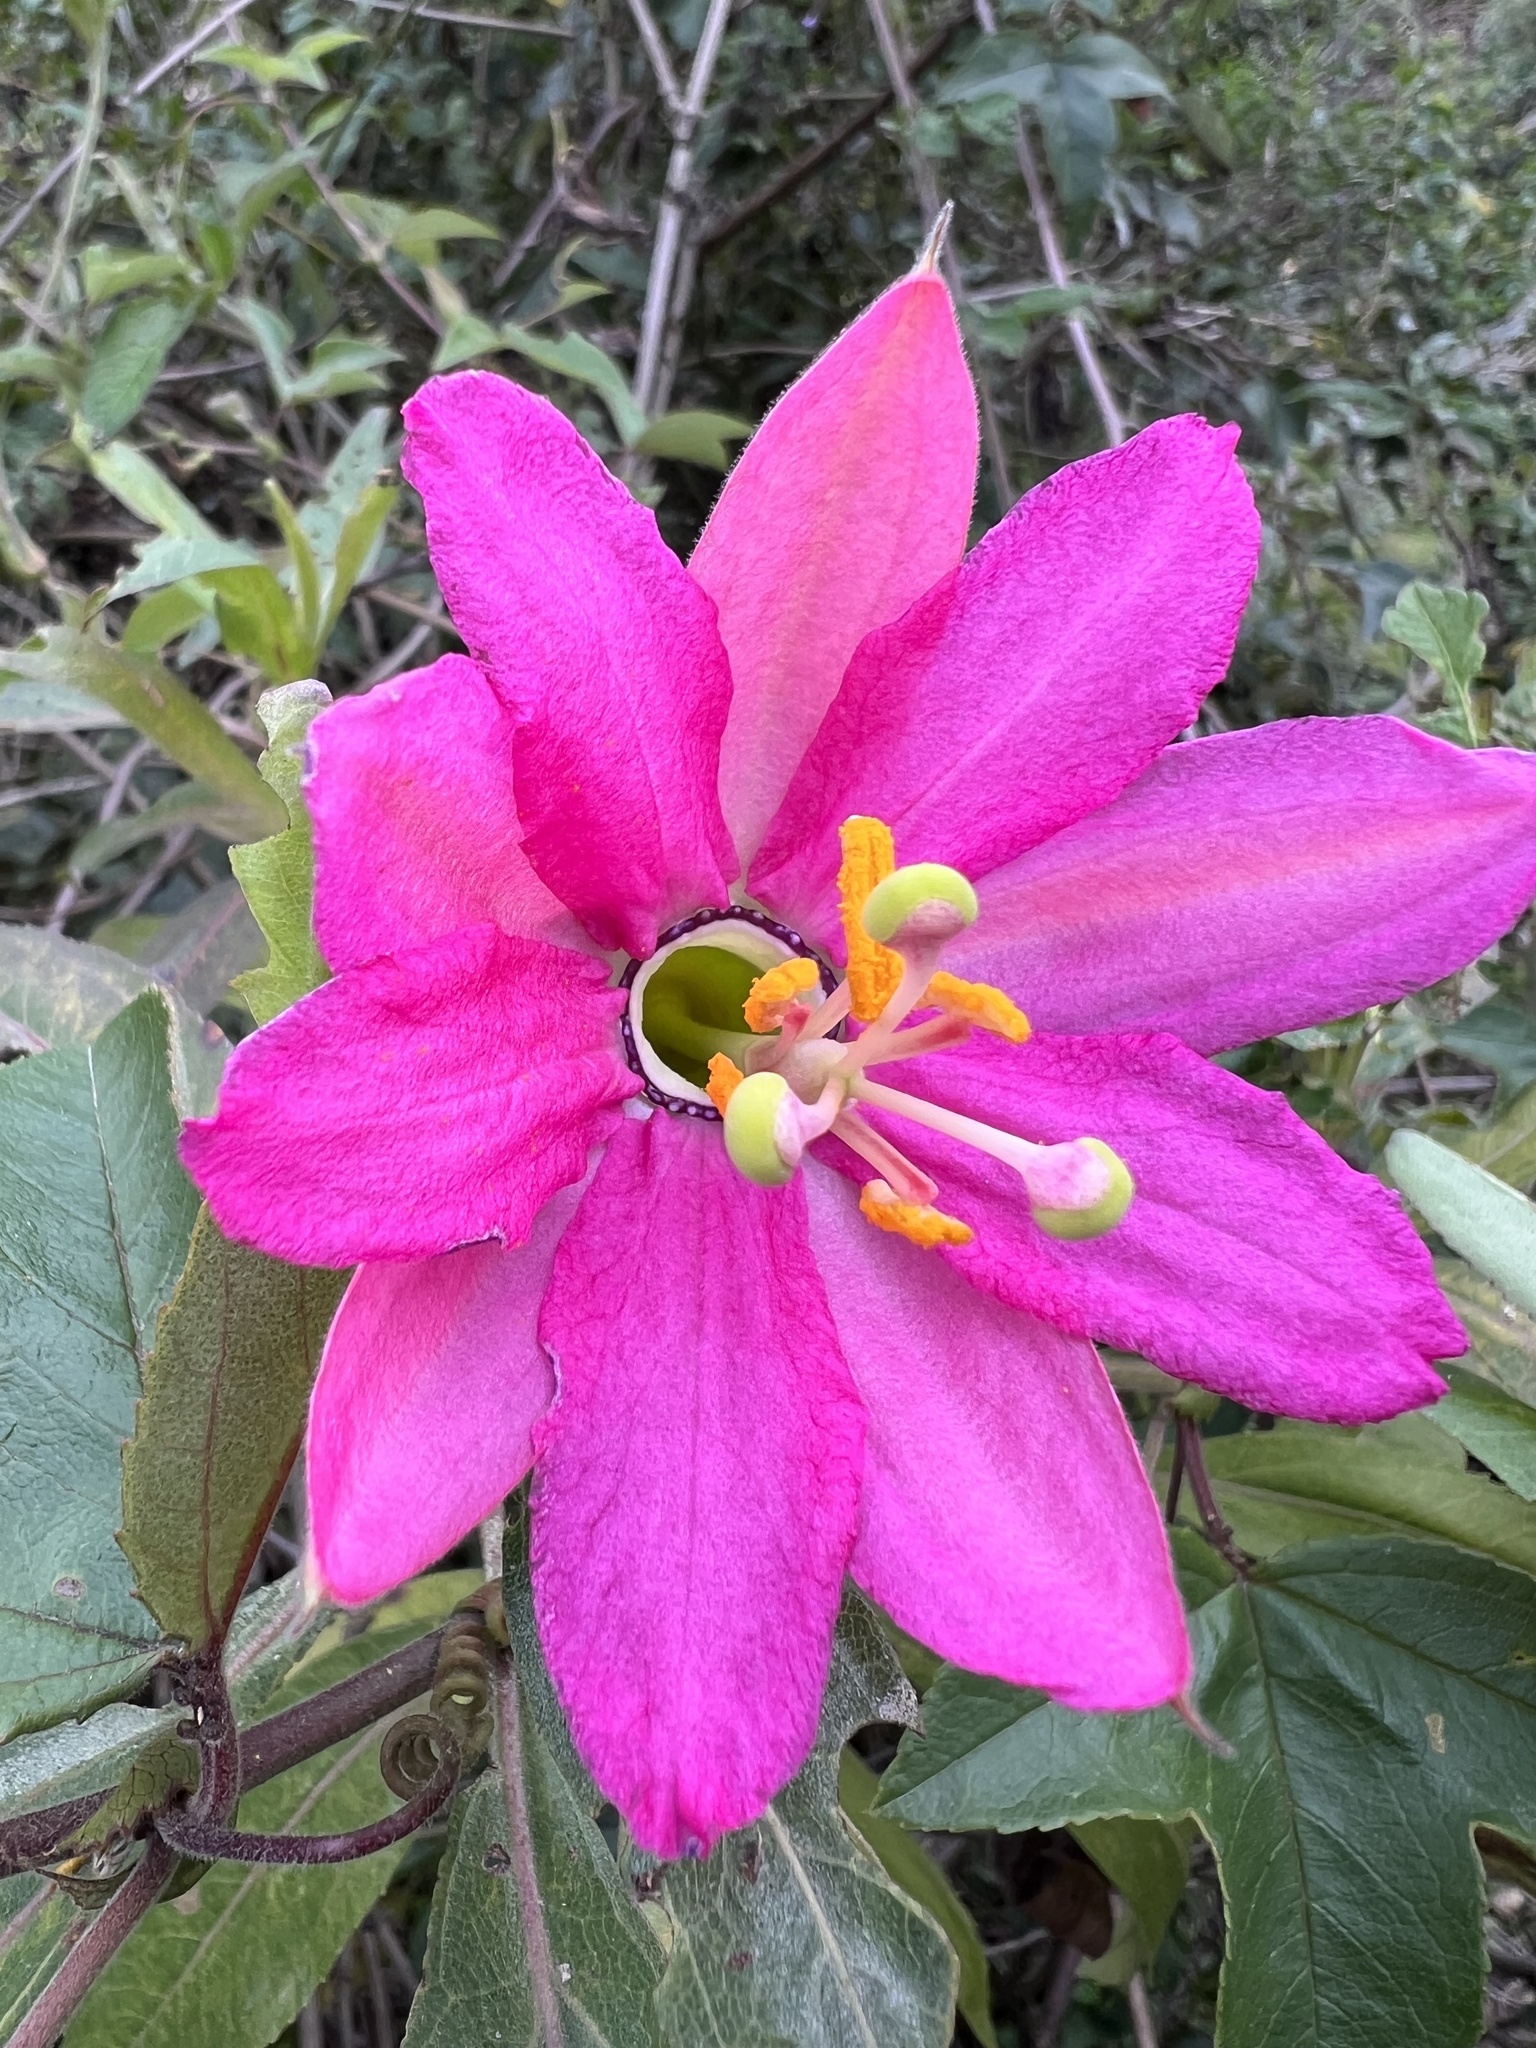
point(235, 238)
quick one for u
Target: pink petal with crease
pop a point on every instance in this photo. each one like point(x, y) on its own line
point(695, 1488)
point(599, 642)
point(1039, 678)
point(1006, 1521)
point(1263, 880)
point(432, 1378)
point(416, 831)
point(852, 497)
point(428, 1099)
point(1252, 1259)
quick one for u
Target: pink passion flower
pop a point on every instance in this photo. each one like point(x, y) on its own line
point(850, 1330)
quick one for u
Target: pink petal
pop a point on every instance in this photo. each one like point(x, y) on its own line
point(1252, 1258)
point(696, 1485)
point(1264, 880)
point(852, 497)
point(1038, 679)
point(431, 1380)
point(428, 1099)
point(1006, 1521)
point(416, 831)
point(599, 642)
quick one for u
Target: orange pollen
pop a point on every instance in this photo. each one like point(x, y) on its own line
point(725, 1077)
point(916, 1222)
point(772, 993)
point(869, 855)
point(978, 1003)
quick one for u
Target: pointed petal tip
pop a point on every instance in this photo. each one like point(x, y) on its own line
point(1208, 1737)
point(929, 257)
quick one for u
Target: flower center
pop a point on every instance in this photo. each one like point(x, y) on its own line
point(735, 1018)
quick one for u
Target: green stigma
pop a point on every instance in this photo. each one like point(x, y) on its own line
point(692, 1008)
point(1072, 1226)
point(751, 1130)
point(894, 901)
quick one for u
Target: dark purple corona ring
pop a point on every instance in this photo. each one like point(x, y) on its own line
point(705, 1112)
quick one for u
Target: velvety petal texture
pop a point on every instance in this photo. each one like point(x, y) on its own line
point(416, 829)
point(433, 1097)
point(1037, 679)
point(1263, 880)
point(1005, 1520)
point(1252, 1259)
point(599, 642)
point(431, 1380)
point(853, 496)
point(696, 1485)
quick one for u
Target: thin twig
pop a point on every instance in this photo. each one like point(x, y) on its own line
point(1050, 248)
point(1217, 1532)
point(151, 78)
point(209, 1842)
point(820, 154)
point(493, 21)
point(541, 1961)
point(899, 73)
point(372, 250)
point(1142, 2023)
point(656, 51)
point(85, 150)
point(676, 202)
point(61, 1997)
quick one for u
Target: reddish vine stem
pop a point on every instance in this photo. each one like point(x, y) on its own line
point(1218, 1534)
point(62, 1996)
point(211, 1843)
point(268, 1749)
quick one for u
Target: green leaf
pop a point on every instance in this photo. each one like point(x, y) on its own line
point(151, 698)
point(225, 1393)
point(351, 474)
point(1407, 1478)
point(188, 803)
point(29, 363)
point(1500, 1034)
point(594, 1959)
point(147, 492)
point(598, 1963)
point(338, 365)
point(278, 874)
point(53, 707)
point(1507, 1146)
point(38, 1926)
point(1381, 1698)
point(1489, 1223)
point(258, 619)
point(164, 616)
point(306, 575)
point(58, 992)
point(1503, 1336)
point(107, 271)
point(575, 357)
point(76, 1757)
point(1147, 1862)
point(231, 1962)
point(126, 358)
point(355, 546)
point(173, 556)
point(196, 951)
point(908, 1864)
point(267, 67)
point(790, 1931)
point(1442, 628)
point(95, 1218)
point(701, 437)
point(1494, 1426)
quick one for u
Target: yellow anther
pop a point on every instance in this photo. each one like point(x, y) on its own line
point(869, 855)
point(725, 1077)
point(772, 992)
point(978, 1003)
point(917, 1223)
